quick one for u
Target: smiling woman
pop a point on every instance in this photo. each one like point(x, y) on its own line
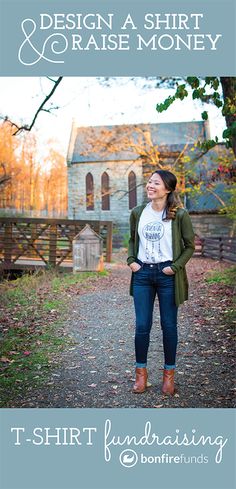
point(161, 242)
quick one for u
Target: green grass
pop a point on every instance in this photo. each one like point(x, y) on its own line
point(52, 304)
point(32, 338)
point(66, 280)
point(226, 277)
point(28, 371)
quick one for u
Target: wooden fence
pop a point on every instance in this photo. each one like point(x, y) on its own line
point(32, 243)
point(220, 248)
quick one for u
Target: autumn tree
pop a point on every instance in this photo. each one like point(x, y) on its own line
point(30, 186)
point(54, 183)
point(9, 164)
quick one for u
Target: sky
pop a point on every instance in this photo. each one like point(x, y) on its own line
point(92, 102)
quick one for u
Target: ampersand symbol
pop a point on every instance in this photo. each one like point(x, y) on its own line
point(53, 45)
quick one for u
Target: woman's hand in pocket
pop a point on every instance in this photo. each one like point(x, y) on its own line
point(168, 271)
point(135, 267)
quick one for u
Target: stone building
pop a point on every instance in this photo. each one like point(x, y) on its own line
point(106, 179)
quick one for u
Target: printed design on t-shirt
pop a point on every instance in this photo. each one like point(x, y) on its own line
point(153, 232)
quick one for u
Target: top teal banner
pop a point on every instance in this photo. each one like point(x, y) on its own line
point(117, 38)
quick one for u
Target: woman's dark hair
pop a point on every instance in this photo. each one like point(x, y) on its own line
point(173, 201)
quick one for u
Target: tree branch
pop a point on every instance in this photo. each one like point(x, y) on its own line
point(41, 108)
point(4, 178)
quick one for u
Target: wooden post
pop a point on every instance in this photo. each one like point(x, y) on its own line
point(7, 242)
point(53, 245)
point(33, 238)
point(203, 246)
point(109, 242)
point(221, 248)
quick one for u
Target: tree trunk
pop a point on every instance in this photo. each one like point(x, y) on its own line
point(229, 94)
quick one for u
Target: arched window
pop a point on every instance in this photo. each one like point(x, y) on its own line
point(105, 192)
point(132, 190)
point(89, 192)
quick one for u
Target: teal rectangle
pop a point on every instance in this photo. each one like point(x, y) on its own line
point(117, 449)
point(26, 49)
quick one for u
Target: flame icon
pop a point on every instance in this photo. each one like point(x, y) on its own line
point(128, 458)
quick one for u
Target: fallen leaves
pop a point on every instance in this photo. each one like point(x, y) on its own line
point(98, 369)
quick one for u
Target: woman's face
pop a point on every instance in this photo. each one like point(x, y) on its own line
point(156, 188)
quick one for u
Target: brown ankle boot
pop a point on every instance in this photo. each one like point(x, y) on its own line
point(168, 381)
point(141, 380)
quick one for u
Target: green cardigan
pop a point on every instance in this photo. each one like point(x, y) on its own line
point(182, 243)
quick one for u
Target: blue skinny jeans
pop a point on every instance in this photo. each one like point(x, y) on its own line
point(148, 282)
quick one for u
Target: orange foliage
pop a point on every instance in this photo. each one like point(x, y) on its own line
point(27, 186)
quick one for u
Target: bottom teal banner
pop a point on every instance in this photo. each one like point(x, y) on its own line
point(117, 449)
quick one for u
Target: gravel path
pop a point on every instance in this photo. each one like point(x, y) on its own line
point(97, 370)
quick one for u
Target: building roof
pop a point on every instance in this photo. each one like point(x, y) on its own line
point(89, 144)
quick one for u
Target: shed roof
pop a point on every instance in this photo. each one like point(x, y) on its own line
point(87, 233)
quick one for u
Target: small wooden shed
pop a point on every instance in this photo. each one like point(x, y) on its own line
point(87, 251)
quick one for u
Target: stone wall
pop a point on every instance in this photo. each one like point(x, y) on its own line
point(206, 225)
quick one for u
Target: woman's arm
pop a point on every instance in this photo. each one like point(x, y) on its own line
point(187, 234)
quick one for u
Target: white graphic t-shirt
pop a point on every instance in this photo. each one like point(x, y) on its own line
point(155, 237)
